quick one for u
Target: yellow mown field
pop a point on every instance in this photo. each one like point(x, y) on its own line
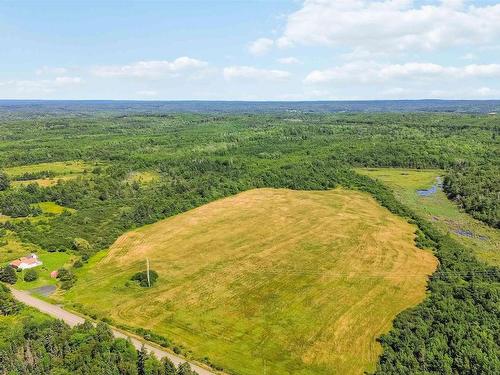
point(281, 281)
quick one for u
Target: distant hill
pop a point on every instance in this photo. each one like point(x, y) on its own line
point(27, 108)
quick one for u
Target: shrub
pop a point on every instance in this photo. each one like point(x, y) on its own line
point(30, 275)
point(67, 278)
point(4, 181)
point(8, 306)
point(142, 278)
point(8, 275)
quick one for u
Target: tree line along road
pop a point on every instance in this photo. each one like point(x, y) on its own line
point(72, 320)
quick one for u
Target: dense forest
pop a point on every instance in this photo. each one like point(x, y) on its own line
point(33, 344)
point(477, 189)
point(196, 159)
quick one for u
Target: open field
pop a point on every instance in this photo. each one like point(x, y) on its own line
point(63, 171)
point(45, 182)
point(49, 209)
point(53, 208)
point(59, 168)
point(482, 239)
point(269, 280)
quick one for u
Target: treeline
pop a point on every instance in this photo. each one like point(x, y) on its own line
point(477, 189)
point(33, 344)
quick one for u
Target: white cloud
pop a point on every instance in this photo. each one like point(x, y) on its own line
point(150, 69)
point(392, 25)
point(62, 81)
point(260, 46)
point(249, 72)
point(367, 72)
point(47, 70)
point(40, 86)
point(289, 60)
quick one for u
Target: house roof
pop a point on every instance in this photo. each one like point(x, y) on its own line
point(32, 259)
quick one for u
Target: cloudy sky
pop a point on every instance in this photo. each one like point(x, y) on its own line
point(250, 50)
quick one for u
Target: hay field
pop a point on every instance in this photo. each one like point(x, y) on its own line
point(269, 281)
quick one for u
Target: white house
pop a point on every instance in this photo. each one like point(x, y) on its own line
point(24, 263)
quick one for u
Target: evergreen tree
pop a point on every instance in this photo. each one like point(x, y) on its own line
point(4, 181)
point(8, 275)
point(185, 369)
point(169, 367)
point(142, 356)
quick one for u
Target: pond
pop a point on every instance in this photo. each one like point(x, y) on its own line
point(433, 189)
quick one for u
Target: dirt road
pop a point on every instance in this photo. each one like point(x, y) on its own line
point(73, 319)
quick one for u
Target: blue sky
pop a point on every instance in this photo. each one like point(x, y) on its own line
point(250, 50)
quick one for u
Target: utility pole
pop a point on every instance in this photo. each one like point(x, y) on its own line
point(147, 266)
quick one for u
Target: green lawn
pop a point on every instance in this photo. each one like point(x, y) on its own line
point(51, 262)
point(437, 208)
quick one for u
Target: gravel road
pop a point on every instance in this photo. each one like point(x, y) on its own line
point(73, 319)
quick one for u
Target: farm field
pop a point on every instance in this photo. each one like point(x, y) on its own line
point(270, 280)
point(436, 207)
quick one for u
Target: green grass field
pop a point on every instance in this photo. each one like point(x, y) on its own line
point(52, 208)
point(63, 171)
point(437, 208)
point(268, 281)
point(49, 209)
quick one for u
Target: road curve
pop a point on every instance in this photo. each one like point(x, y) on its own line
point(73, 319)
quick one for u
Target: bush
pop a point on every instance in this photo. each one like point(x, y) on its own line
point(8, 306)
point(8, 275)
point(142, 278)
point(81, 245)
point(30, 275)
point(4, 181)
point(67, 278)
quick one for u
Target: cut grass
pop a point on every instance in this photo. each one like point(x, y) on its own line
point(268, 280)
point(437, 208)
